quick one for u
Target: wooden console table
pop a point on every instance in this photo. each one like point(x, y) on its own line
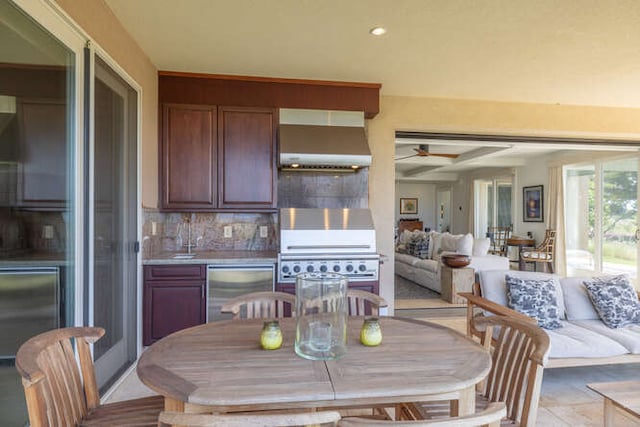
point(454, 280)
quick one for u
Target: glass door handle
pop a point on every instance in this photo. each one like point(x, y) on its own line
point(637, 234)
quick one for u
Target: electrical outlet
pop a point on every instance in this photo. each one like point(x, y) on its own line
point(47, 232)
point(264, 231)
point(228, 231)
point(154, 228)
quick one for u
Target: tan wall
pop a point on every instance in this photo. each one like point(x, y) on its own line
point(442, 115)
point(97, 20)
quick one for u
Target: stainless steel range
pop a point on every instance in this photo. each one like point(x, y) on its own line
point(328, 240)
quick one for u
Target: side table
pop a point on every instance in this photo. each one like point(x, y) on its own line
point(454, 280)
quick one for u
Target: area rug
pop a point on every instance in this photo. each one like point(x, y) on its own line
point(406, 289)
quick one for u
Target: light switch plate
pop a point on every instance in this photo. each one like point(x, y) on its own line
point(228, 231)
point(263, 231)
point(47, 231)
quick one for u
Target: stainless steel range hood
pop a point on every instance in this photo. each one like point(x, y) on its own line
point(322, 139)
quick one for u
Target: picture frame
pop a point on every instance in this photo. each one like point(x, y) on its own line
point(408, 206)
point(533, 203)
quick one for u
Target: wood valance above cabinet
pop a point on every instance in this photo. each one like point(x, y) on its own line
point(245, 91)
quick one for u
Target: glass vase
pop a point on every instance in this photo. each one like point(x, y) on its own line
point(321, 315)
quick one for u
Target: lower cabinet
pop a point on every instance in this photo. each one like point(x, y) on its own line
point(175, 298)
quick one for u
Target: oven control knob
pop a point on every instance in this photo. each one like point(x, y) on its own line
point(323, 268)
point(309, 268)
point(336, 268)
point(285, 269)
point(349, 268)
point(296, 269)
point(362, 267)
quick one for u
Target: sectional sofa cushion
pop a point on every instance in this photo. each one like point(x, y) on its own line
point(629, 336)
point(615, 300)
point(577, 303)
point(535, 298)
point(573, 340)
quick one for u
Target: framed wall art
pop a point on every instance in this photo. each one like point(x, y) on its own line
point(408, 206)
point(532, 199)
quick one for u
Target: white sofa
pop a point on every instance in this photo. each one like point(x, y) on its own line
point(583, 339)
point(426, 271)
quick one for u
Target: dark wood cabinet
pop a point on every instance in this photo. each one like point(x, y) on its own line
point(42, 170)
point(247, 152)
point(189, 153)
point(218, 158)
point(174, 299)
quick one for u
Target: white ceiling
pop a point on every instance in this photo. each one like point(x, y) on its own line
point(581, 52)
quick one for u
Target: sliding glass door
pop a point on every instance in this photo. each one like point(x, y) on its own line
point(114, 219)
point(601, 207)
point(39, 206)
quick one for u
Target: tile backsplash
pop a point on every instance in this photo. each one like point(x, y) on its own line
point(323, 189)
point(163, 231)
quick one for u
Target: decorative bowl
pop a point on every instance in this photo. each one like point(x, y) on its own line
point(456, 260)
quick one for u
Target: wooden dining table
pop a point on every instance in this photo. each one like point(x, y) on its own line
point(220, 367)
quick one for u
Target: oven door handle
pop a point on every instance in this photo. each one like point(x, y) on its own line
point(298, 247)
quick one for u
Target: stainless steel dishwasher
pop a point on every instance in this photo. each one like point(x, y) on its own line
point(226, 281)
point(29, 305)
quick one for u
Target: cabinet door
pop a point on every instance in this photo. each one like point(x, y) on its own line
point(189, 157)
point(247, 153)
point(43, 158)
point(172, 306)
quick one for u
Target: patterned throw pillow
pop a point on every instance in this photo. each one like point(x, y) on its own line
point(615, 300)
point(535, 298)
point(421, 249)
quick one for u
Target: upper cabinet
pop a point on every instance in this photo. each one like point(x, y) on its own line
point(43, 145)
point(189, 157)
point(247, 157)
point(218, 158)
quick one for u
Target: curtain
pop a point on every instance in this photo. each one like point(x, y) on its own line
point(471, 194)
point(555, 217)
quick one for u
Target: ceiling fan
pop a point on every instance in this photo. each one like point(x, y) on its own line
point(423, 151)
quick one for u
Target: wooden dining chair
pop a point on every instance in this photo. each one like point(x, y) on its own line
point(519, 351)
point(364, 303)
point(61, 393)
point(329, 418)
point(490, 416)
point(498, 236)
point(543, 253)
point(261, 305)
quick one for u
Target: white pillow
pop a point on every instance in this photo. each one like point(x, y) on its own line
point(449, 242)
point(481, 246)
point(464, 244)
point(435, 245)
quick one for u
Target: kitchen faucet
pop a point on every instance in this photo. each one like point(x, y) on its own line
point(189, 245)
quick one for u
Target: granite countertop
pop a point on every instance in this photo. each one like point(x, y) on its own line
point(213, 257)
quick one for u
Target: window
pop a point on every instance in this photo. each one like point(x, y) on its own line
point(493, 201)
point(601, 217)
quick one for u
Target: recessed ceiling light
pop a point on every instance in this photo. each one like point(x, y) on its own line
point(295, 165)
point(378, 31)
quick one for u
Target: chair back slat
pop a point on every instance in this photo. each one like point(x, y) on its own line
point(363, 303)
point(261, 305)
point(54, 387)
point(519, 353)
point(498, 236)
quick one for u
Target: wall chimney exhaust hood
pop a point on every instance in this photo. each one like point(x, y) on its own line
point(323, 140)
